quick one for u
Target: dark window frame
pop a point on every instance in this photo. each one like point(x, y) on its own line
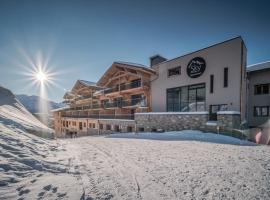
point(212, 83)
point(259, 89)
point(255, 114)
point(175, 71)
point(226, 77)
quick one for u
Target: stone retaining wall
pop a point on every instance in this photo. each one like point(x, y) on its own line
point(171, 121)
point(123, 125)
point(167, 121)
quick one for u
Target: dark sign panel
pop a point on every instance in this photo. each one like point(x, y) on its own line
point(196, 67)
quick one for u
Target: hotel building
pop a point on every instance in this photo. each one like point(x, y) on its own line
point(200, 90)
point(108, 105)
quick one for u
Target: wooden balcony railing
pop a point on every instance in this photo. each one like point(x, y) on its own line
point(101, 116)
point(127, 86)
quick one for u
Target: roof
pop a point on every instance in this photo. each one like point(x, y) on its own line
point(136, 65)
point(59, 109)
point(215, 44)
point(87, 83)
point(258, 66)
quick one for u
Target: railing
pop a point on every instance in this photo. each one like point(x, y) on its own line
point(141, 102)
point(114, 104)
point(96, 106)
point(127, 86)
point(100, 116)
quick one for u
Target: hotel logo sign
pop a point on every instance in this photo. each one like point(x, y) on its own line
point(196, 67)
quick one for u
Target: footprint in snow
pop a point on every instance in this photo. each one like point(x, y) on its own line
point(41, 194)
point(47, 187)
point(61, 194)
point(54, 190)
point(34, 180)
point(26, 191)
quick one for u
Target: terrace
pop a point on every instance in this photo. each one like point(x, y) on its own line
point(100, 116)
point(123, 87)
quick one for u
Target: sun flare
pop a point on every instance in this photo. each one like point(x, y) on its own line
point(41, 76)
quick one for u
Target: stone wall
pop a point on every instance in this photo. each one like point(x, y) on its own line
point(171, 121)
point(226, 121)
point(122, 124)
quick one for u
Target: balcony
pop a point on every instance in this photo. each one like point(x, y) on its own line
point(138, 102)
point(128, 86)
point(101, 116)
point(115, 104)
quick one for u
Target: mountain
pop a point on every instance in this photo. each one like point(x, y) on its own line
point(31, 103)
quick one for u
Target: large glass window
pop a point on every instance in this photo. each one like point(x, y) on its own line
point(186, 99)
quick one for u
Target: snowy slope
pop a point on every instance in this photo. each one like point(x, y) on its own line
point(13, 113)
point(28, 163)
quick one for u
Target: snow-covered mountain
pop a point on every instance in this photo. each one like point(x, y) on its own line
point(31, 102)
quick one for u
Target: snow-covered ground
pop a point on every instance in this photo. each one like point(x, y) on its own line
point(176, 165)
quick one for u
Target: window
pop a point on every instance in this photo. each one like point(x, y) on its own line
point(135, 83)
point(174, 71)
point(116, 128)
point(80, 125)
point(141, 129)
point(211, 83)
point(101, 126)
point(214, 109)
point(129, 129)
point(186, 98)
point(261, 89)
point(226, 70)
point(261, 111)
point(108, 127)
point(93, 126)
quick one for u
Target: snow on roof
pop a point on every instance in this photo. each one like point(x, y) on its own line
point(59, 109)
point(258, 66)
point(87, 83)
point(135, 65)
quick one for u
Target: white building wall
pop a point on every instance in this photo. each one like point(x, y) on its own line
point(217, 57)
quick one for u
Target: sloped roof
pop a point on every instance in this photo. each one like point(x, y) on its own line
point(87, 83)
point(258, 66)
point(136, 65)
point(209, 46)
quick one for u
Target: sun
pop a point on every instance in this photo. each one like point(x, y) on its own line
point(41, 76)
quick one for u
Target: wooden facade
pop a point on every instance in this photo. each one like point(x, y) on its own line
point(123, 90)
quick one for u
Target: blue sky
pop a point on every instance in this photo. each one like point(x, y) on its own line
point(81, 39)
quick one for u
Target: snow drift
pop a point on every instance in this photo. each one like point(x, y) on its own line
point(13, 113)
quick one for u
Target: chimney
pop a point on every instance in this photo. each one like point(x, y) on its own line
point(156, 59)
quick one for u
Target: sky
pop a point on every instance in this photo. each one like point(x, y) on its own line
point(80, 39)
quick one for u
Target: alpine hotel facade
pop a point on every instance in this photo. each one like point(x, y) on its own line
point(201, 90)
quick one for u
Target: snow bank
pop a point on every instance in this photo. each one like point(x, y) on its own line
point(12, 112)
point(192, 135)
